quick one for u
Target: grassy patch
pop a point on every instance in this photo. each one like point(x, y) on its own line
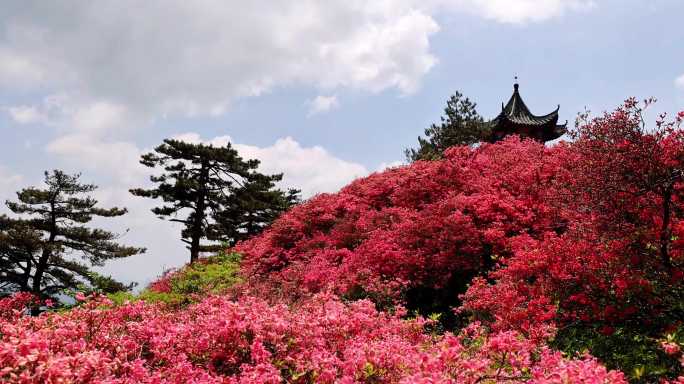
point(211, 275)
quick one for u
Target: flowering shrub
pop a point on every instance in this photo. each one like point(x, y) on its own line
point(581, 241)
point(424, 228)
point(250, 341)
point(612, 281)
point(16, 305)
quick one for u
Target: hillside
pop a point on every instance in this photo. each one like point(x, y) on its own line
point(508, 262)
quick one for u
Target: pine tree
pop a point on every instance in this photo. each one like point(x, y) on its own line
point(460, 125)
point(48, 248)
point(212, 192)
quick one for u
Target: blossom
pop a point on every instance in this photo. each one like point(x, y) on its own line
point(671, 348)
point(219, 340)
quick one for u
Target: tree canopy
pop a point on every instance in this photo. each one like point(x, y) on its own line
point(213, 193)
point(460, 125)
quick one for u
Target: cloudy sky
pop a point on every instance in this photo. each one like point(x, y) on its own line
point(324, 91)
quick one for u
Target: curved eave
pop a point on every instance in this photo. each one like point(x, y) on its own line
point(550, 119)
point(555, 132)
point(553, 114)
point(561, 130)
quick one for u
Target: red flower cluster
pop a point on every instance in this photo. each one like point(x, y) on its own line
point(620, 189)
point(412, 226)
point(250, 342)
point(585, 234)
point(16, 305)
point(586, 231)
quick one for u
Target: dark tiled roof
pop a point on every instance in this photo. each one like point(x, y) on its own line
point(517, 113)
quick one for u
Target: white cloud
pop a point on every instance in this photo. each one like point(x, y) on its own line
point(392, 164)
point(18, 71)
point(10, 183)
point(159, 58)
point(25, 114)
point(311, 169)
point(117, 160)
point(679, 82)
point(165, 57)
point(520, 11)
point(322, 104)
point(72, 114)
point(99, 117)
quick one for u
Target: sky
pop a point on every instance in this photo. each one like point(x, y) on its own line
point(322, 91)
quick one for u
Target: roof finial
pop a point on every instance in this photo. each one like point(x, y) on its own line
point(515, 86)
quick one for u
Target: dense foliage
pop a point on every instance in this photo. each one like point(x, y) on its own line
point(213, 193)
point(419, 232)
point(47, 247)
point(614, 276)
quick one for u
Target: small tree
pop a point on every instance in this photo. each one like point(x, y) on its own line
point(41, 250)
point(460, 125)
point(213, 192)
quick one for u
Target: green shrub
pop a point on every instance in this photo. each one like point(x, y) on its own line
point(208, 276)
point(640, 357)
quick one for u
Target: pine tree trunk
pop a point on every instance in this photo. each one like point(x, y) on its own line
point(194, 249)
point(38, 277)
point(197, 231)
point(26, 277)
point(200, 207)
point(40, 270)
point(42, 265)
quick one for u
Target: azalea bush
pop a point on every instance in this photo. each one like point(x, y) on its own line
point(612, 282)
point(217, 340)
point(416, 234)
point(16, 305)
point(581, 242)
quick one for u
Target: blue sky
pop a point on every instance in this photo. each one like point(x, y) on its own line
point(324, 91)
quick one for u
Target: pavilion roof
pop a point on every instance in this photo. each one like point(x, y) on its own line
point(516, 113)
